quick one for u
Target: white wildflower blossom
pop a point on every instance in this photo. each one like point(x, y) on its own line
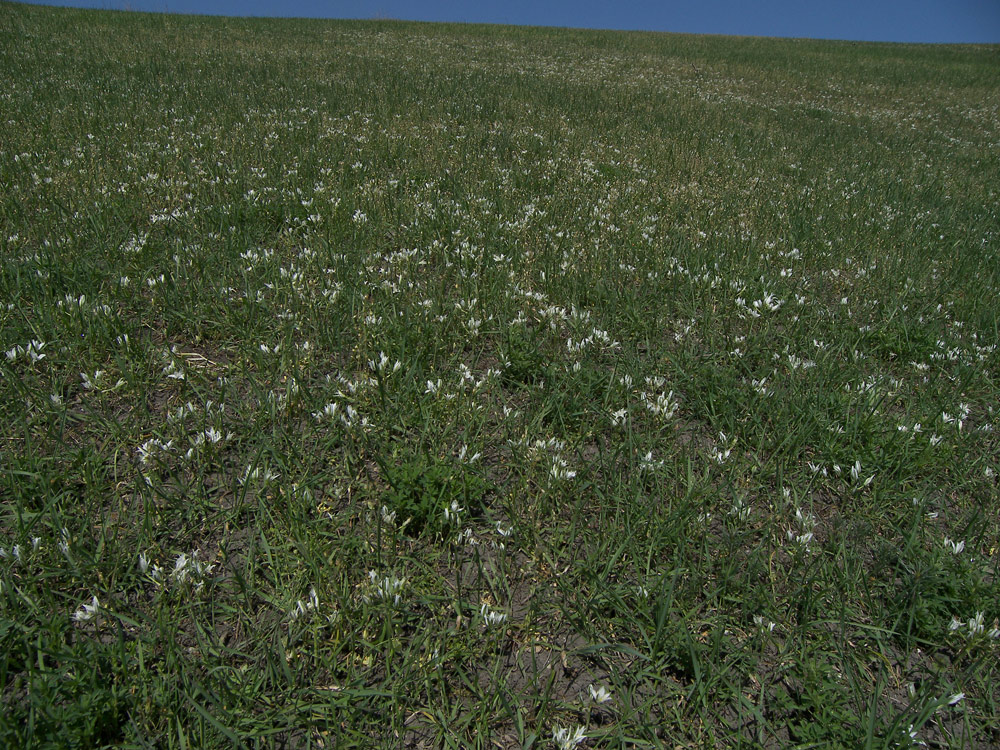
point(90, 382)
point(662, 404)
point(955, 548)
point(88, 611)
point(386, 588)
point(560, 470)
point(453, 512)
point(567, 739)
point(816, 468)
point(190, 570)
point(258, 473)
point(352, 418)
point(648, 463)
point(856, 476)
point(720, 455)
point(974, 627)
point(382, 364)
point(490, 616)
point(463, 455)
point(329, 411)
point(302, 608)
point(63, 543)
point(600, 694)
point(802, 532)
point(172, 371)
point(763, 624)
point(740, 510)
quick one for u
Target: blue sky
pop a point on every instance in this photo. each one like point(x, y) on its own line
point(869, 20)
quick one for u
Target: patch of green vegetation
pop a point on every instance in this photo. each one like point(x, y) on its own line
point(431, 495)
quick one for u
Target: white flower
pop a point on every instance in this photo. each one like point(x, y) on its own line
point(766, 626)
point(803, 535)
point(560, 470)
point(491, 617)
point(180, 572)
point(663, 405)
point(976, 624)
point(463, 455)
point(599, 695)
point(63, 543)
point(719, 456)
point(955, 547)
point(382, 364)
point(87, 611)
point(566, 741)
point(330, 410)
point(956, 698)
point(172, 371)
point(740, 510)
point(647, 462)
point(387, 588)
point(453, 512)
point(190, 568)
point(90, 383)
point(802, 539)
point(301, 608)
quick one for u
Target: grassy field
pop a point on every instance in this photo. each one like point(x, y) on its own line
point(377, 384)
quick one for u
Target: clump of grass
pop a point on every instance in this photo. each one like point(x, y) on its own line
point(430, 495)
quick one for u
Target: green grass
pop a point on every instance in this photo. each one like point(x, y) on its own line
point(694, 339)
